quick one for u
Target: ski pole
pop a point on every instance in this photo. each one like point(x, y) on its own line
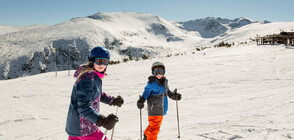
point(141, 124)
point(140, 121)
point(105, 133)
point(179, 135)
point(104, 136)
point(114, 126)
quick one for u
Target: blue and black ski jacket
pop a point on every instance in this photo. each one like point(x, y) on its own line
point(156, 94)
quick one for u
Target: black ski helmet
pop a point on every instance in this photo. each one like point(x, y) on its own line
point(157, 64)
point(98, 52)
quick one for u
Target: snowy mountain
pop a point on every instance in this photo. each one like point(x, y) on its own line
point(247, 33)
point(243, 92)
point(29, 50)
point(211, 27)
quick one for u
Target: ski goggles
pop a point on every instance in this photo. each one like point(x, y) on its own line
point(100, 61)
point(158, 72)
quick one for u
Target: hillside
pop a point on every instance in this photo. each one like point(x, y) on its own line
point(30, 51)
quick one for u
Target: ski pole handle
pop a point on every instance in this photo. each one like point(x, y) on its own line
point(175, 92)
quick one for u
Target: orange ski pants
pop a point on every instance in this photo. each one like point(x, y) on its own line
point(152, 129)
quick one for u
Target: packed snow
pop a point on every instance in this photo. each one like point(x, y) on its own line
point(242, 92)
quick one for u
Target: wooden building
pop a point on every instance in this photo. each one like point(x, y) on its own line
point(286, 38)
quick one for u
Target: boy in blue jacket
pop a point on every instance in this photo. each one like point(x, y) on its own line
point(156, 93)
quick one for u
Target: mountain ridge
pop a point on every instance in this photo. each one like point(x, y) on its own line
point(125, 34)
point(211, 27)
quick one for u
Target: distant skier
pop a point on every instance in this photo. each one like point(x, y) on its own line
point(83, 117)
point(156, 93)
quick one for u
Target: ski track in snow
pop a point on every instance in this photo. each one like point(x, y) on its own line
point(243, 92)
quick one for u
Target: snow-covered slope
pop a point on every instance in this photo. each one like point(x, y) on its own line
point(243, 92)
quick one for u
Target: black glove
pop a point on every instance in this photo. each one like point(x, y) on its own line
point(118, 101)
point(174, 95)
point(140, 103)
point(107, 122)
point(100, 120)
point(178, 96)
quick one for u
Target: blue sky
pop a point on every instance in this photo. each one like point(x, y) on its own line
point(49, 12)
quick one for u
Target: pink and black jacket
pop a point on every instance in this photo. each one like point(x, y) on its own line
point(84, 106)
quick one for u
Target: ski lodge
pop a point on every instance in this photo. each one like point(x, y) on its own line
point(286, 38)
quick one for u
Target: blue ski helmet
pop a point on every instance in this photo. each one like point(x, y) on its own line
point(98, 52)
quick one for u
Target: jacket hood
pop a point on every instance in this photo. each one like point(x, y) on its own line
point(87, 75)
point(78, 70)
